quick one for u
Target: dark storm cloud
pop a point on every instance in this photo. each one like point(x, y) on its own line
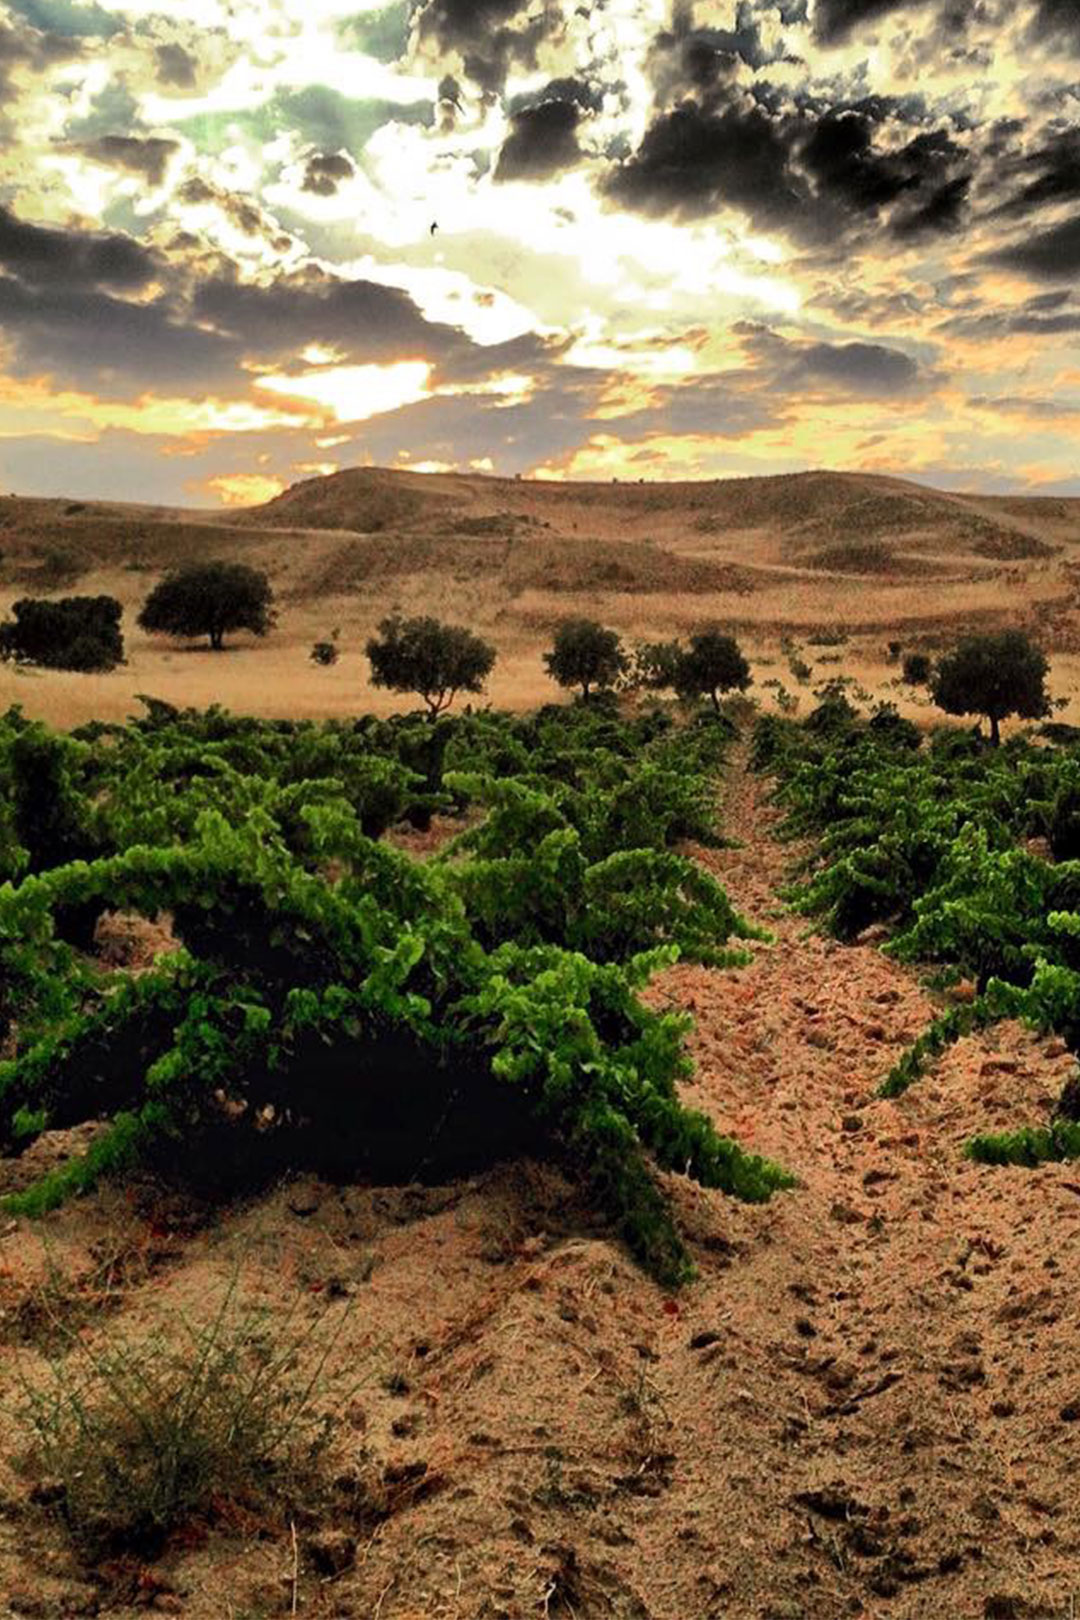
point(942, 211)
point(529, 353)
point(542, 140)
point(1057, 21)
point(1048, 314)
point(859, 370)
point(63, 312)
point(813, 174)
point(365, 319)
point(841, 159)
point(84, 335)
point(490, 36)
point(1052, 255)
point(1049, 174)
point(145, 155)
point(175, 65)
point(835, 20)
point(47, 255)
point(324, 172)
point(693, 159)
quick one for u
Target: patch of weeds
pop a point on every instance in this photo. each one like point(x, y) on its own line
point(134, 1440)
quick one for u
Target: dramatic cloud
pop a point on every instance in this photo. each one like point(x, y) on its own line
point(808, 175)
point(324, 172)
point(836, 19)
point(1058, 21)
point(1049, 174)
point(691, 160)
point(1052, 255)
point(542, 141)
point(675, 237)
point(41, 254)
point(146, 156)
point(489, 36)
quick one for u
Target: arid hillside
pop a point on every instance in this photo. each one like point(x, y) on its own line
point(870, 557)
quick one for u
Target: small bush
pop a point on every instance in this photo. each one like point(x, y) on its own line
point(324, 653)
point(916, 669)
point(149, 1435)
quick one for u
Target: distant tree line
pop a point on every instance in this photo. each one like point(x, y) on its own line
point(993, 675)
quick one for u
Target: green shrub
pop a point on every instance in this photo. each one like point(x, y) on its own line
point(916, 669)
point(77, 633)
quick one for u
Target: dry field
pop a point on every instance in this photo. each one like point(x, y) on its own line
point(877, 558)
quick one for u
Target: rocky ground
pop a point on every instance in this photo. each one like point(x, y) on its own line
point(867, 1405)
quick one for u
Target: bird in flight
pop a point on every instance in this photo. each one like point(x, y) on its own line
point(434, 228)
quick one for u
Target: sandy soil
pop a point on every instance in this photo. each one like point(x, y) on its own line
point(863, 1407)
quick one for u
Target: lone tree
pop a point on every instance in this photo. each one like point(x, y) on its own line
point(993, 675)
point(585, 655)
point(208, 599)
point(432, 659)
point(714, 663)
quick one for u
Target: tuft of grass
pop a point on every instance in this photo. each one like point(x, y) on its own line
point(136, 1439)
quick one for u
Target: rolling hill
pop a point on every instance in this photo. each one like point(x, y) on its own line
point(767, 556)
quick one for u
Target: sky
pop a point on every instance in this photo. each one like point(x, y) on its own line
point(672, 240)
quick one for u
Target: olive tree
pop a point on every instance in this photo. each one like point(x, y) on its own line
point(713, 663)
point(209, 599)
point(434, 660)
point(995, 675)
point(585, 654)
